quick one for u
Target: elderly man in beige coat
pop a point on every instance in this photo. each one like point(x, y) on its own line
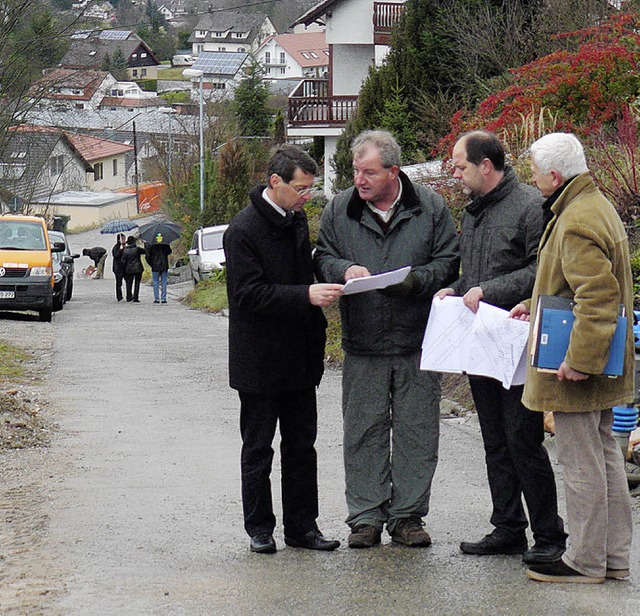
point(584, 255)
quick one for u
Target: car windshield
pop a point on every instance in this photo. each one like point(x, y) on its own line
point(19, 235)
point(212, 241)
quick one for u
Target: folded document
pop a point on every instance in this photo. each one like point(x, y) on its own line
point(487, 343)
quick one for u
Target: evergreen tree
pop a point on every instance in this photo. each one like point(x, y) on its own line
point(250, 103)
point(119, 65)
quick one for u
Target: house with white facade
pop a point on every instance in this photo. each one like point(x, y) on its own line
point(230, 31)
point(222, 72)
point(290, 56)
point(358, 33)
point(65, 89)
point(39, 162)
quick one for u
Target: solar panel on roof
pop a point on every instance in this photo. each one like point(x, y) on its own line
point(219, 62)
point(81, 34)
point(115, 35)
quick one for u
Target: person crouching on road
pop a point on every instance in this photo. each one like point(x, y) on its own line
point(98, 255)
point(276, 350)
point(133, 268)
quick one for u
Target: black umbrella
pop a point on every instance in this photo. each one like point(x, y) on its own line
point(159, 232)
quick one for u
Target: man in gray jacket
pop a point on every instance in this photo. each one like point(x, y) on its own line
point(383, 223)
point(501, 229)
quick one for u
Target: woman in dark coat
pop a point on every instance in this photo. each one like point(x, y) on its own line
point(118, 267)
point(133, 268)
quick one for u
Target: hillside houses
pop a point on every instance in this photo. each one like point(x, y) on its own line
point(222, 72)
point(37, 162)
point(289, 56)
point(93, 49)
point(65, 89)
point(230, 31)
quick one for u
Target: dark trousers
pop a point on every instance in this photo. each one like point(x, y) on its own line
point(259, 413)
point(119, 279)
point(517, 463)
point(133, 281)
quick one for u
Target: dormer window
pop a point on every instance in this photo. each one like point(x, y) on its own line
point(201, 33)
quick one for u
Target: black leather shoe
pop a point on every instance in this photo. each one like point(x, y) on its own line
point(494, 544)
point(542, 553)
point(263, 544)
point(313, 540)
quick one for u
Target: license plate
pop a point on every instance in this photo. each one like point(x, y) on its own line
point(7, 294)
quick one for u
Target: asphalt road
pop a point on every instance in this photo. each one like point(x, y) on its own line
point(134, 508)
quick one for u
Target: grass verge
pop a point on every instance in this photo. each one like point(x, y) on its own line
point(12, 363)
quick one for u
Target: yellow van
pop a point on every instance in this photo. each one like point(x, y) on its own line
point(26, 270)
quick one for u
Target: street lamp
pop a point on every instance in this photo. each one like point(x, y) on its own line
point(169, 111)
point(194, 72)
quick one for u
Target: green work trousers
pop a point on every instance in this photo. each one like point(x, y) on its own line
point(391, 412)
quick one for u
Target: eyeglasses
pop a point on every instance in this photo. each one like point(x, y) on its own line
point(303, 192)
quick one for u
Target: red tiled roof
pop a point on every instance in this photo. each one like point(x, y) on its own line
point(92, 148)
point(81, 79)
point(303, 46)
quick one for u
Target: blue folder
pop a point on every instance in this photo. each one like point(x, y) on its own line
point(554, 333)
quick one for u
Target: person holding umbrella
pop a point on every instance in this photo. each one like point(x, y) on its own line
point(133, 268)
point(158, 259)
point(118, 266)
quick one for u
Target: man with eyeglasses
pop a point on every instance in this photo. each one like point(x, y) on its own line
point(276, 350)
point(391, 409)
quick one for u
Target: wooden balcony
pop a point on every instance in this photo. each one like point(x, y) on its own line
point(310, 105)
point(385, 16)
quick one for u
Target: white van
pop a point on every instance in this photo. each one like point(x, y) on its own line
point(206, 255)
point(182, 59)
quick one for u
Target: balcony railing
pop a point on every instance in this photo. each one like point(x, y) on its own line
point(385, 16)
point(311, 105)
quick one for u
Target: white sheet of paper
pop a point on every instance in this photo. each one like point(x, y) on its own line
point(379, 281)
point(487, 343)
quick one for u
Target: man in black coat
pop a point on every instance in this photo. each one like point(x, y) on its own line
point(276, 349)
point(500, 233)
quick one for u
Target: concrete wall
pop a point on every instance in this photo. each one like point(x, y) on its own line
point(89, 215)
point(350, 67)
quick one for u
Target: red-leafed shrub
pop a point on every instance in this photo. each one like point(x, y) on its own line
point(584, 88)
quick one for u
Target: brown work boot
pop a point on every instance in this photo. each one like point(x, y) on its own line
point(364, 536)
point(409, 531)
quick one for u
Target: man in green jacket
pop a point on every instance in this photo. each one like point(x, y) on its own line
point(381, 224)
point(584, 255)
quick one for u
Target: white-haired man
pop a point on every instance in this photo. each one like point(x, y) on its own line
point(583, 255)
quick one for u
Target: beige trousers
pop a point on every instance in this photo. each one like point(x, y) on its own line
point(598, 502)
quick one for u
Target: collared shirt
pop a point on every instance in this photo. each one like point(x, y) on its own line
point(273, 204)
point(386, 215)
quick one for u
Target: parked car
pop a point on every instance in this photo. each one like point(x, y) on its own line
point(63, 270)
point(182, 59)
point(636, 329)
point(206, 255)
point(26, 269)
